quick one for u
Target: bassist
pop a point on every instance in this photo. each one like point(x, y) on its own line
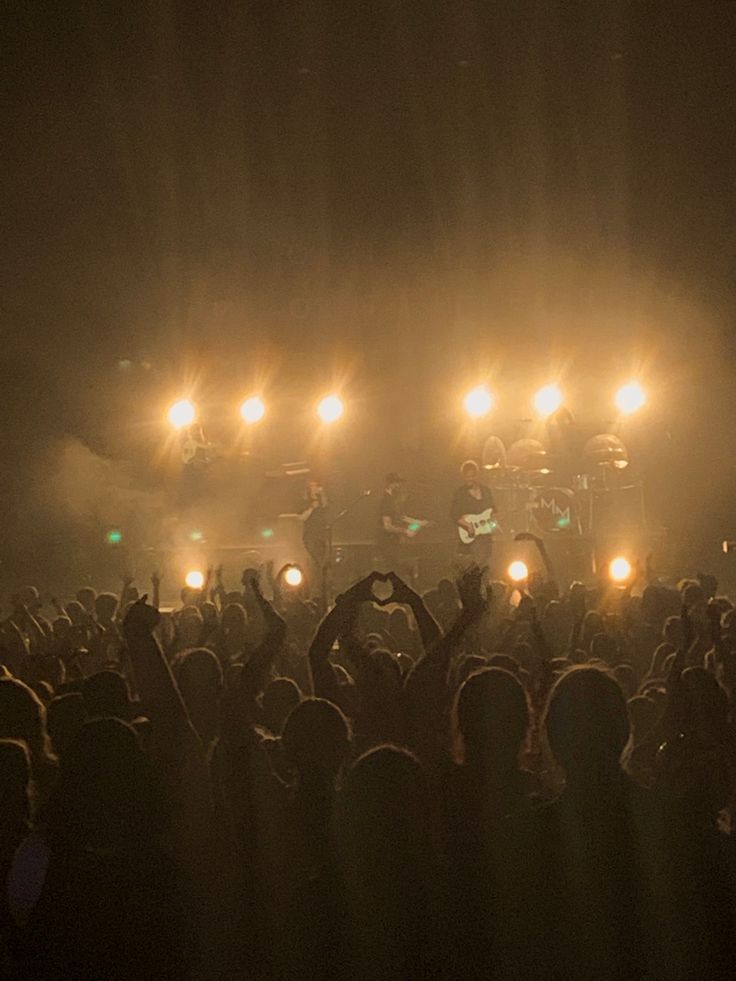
point(472, 498)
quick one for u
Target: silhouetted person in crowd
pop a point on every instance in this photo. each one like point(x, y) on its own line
point(106, 902)
point(23, 717)
point(394, 927)
point(595, 841)
point(487, 800)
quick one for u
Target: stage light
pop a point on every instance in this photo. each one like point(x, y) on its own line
point(196, 536)
point(619, 569)
point(630, 398)
point(114, 536)
point(294, 576)
point(194, 579)
point(518, 571)
point(182, 413)
point(478, 402)
point(252, 410)
point(548, 400)
point(267, 533)
point(330, 408)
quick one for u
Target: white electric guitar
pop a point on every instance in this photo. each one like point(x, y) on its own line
point(196, 451)
point(482, 524)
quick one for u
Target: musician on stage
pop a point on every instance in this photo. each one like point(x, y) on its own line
point(394, 526)
point(312, 512)
point(472, 498)
point(195, 458)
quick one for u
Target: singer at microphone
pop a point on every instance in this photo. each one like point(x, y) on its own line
point(312, 512)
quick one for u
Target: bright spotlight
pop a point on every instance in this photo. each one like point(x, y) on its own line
point(330, 408)
point(548, 400)
point(252, 410)
point(182, 413)
point(619, 569)
point(630, 398)
point(478, 402)
point(518, 571)
point(194, 579)
point(294, 576)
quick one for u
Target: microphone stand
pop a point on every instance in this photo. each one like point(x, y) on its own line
point(327, 567)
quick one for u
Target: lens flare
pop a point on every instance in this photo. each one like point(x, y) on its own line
point(252, 410)
point(518, 571)
point(478, 402)
point(182, 413)
point(548, 400)
point(293, 576)
point(330, 408)
point(630, 398)
point(194, 579)
point(619, 569)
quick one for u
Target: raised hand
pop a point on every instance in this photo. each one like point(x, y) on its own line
point(527, 609)
point(255, 584)
point(141, 619)
point(362, 591)
point(470, 588)
point(403, 593)
point(156, 578)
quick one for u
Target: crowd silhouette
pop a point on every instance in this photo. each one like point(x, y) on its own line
point(480, 781)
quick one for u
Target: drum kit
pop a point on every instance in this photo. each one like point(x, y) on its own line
point(539, 492)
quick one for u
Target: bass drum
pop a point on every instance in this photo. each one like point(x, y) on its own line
point(554, 510)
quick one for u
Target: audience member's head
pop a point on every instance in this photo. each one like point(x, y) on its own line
point(279, 699)
point(23, 716)
point(106, 606)
point(316, 739)
point(107, 795)
point(492, 718)
point(87, 597)
point(65, 716)
point(587, 724)
point(106, 695)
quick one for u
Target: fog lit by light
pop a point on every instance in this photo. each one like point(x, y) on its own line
point(194, 579)
point(478, 402)
point(182, 413)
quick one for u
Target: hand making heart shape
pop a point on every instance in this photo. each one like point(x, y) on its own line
point(382, 589)
point(377, 587)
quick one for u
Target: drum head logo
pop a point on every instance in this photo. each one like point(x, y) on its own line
point(555, 512)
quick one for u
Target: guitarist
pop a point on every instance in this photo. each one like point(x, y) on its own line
point(395, 527)
point(472, 497)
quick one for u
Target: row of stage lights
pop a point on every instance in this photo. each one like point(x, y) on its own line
point(478, 402)
point(620, 572)
point(184, 412)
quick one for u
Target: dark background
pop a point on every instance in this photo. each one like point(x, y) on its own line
point(399, 198)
